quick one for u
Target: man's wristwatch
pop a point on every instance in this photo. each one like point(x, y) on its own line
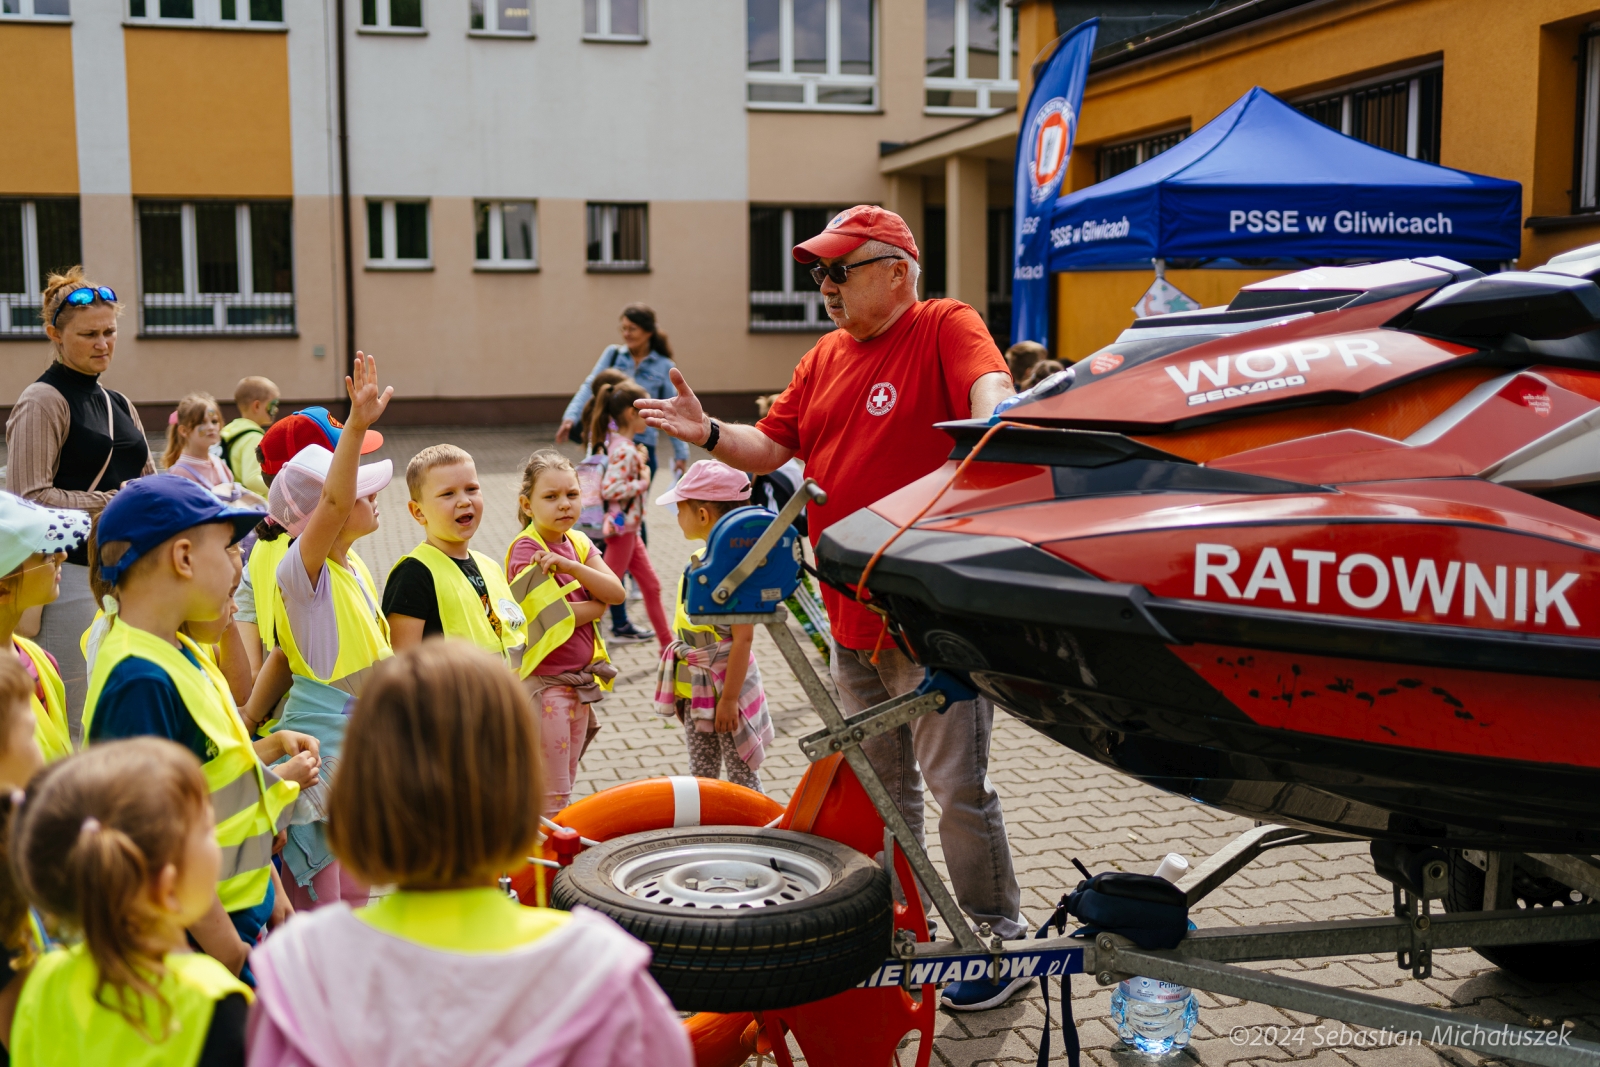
point(711, 438)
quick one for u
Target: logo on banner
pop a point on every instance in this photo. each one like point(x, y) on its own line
point(1103, 362)
point(880, 399)
point(1049, 146)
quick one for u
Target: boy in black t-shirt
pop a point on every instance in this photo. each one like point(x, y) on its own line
point(442, 586)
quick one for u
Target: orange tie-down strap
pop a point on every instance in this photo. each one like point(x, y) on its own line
point(806, 804)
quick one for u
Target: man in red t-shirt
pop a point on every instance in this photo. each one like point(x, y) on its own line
point(860, 412)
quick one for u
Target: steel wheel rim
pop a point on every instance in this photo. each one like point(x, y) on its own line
point(721, 876)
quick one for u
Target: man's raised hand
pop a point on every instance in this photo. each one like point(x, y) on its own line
point(681, 416)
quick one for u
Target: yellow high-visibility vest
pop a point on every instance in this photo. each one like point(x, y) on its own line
point(461, 609)
point(543, 599)
point(363, 631)
point(60, 1022)
point(264, 559)
point(247, 799)
point(50, 714)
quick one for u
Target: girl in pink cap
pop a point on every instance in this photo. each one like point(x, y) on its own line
point(708, 676)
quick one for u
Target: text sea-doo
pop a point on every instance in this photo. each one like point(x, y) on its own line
point(1328, 556)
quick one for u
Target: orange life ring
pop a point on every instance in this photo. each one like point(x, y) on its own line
point(654, 804)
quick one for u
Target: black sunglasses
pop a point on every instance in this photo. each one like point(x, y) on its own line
point(840, 272)
point(83, 298)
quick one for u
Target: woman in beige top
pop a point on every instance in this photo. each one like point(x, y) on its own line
point(71, 443)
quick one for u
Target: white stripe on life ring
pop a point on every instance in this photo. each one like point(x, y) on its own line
point(685, 800)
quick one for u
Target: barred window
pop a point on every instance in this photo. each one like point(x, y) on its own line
point(1400, 114)
point(36, 237)
point(216, 266)
point(782, 294)
point(1115, 158)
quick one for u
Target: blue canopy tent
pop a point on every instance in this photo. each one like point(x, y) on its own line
point(1261, 181)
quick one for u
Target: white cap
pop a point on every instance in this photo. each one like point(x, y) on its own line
point(297, 488)
point(26, 528)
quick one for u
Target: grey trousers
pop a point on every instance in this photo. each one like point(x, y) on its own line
point(60, 628)
point(952, 752)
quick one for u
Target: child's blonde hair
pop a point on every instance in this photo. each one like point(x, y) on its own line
point(93, 832)
point(546, 459)
point(192, 411)
point(251, 389)
point(441, 778)
point(429, 458)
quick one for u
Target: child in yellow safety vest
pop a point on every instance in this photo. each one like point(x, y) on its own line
point(327, 624)
point(563, 586)
point(119, 843)
point(447, 969)
point(22, 932)
point(163, 547)
point(442, 586)
point(33, 542)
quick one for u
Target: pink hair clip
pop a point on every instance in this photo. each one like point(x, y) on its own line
point(172, 420)
point(91, 825)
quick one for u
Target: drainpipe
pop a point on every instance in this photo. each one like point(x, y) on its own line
point(344, 200)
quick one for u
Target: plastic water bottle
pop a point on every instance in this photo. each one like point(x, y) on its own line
point(1150, 1016)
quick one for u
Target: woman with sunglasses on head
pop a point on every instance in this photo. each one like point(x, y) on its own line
point(71, 443)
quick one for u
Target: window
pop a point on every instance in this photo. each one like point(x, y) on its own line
point(398, 235)
point(507, 235)
point(782, 294)
point(1586, 179)
point(934, 247)
point(36, 237)
point(215, 266)
point(613, 20)
point(391, 16)
point(36, 9)
point(619, 237)
point(971, 57)
point(200, 12)
point(811, 54)
point(510, 18)
point(1113, 159)
point(1399, 113)
point(998, 266)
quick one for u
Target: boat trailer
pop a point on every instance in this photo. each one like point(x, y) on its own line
point(752, 590)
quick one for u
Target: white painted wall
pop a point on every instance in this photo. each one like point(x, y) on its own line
point(451, 115)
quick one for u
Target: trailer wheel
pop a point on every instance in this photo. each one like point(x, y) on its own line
point(1555, 961)
point(739, 919)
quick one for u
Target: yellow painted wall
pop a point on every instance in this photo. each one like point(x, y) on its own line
point(38, 123)
point(1094, 306)
point(1510, 86)
point(208, 113)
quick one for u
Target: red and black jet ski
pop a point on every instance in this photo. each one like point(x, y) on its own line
point(1328, 556)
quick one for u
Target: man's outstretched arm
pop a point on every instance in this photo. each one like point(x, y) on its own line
point(744, 448)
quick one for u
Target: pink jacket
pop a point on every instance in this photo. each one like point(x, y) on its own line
point(334, 992)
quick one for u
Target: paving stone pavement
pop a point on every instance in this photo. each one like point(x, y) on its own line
point(1058, 805)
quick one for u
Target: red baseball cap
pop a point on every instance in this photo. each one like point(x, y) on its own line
point(313, 426)
point(854, 227)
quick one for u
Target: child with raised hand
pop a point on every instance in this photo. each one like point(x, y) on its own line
point(562, 586)
point(615, 422)
point(33, 542)
point(257, 400)
point(192, 430)
point(119, 844)
point(163, 548)
point(708, 676)
point(442, 586)
point(329, 629)
point(439, 793)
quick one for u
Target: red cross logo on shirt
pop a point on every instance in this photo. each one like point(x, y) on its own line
point(880, 399)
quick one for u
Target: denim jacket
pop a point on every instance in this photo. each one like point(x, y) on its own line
point(651, 374)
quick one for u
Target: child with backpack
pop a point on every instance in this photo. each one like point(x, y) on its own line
point(256, 398)
point(613, 424)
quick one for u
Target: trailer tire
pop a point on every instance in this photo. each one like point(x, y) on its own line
point(819, 923)
point(1554, 961)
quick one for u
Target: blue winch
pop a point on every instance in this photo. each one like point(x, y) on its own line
point(751, 563)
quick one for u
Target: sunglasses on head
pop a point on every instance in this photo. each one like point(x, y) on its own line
point(83, 298)
point(840, 272)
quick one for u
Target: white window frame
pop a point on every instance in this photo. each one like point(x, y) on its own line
point(1587, 195)
point(1006, 83)
point(1413, 100)
point(603, 25)
point(811, 82)
point(816, 318)
point(490, 10)
point(246, 296)
point(382, 25)
point(25, 13)
point(609, 212)
point(30, 296)
point(497, 242)
point(207, 13)
point(389, 260)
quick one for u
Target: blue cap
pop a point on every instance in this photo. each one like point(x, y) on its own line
point(148, 510)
